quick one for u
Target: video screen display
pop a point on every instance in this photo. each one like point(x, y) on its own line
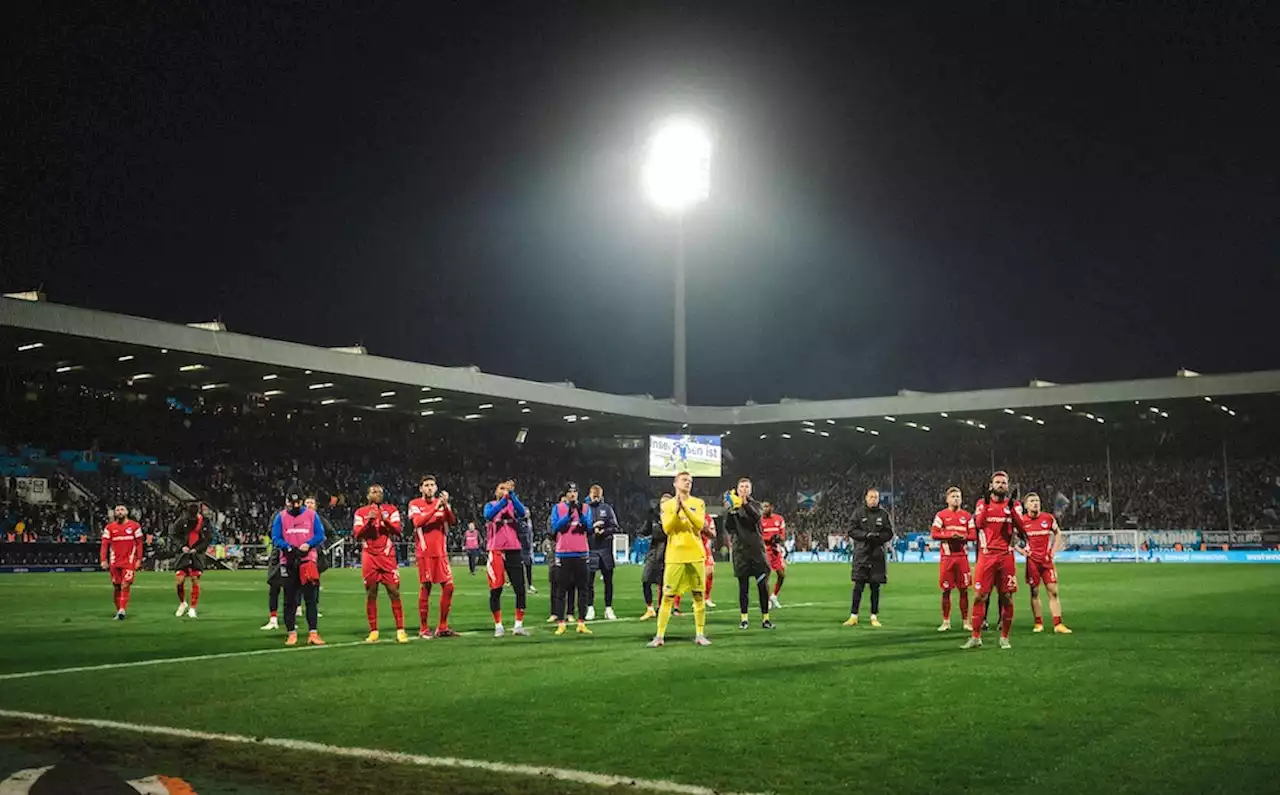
point(697, 455)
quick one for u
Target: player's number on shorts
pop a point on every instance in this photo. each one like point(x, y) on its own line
point(1011, 581)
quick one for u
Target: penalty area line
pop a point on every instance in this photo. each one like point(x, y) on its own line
point(394, 757)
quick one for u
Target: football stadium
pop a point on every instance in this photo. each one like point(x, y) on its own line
point(1163, 488)
point(746, 398)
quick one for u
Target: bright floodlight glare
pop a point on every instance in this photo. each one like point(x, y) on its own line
point(677, 167)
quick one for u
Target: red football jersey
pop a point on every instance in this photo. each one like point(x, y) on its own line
point(431, 520)
point(1040, 535)
point(995, 523)
point(122, 543)
point(946, 523)
point(375, 525)
point(774, 529)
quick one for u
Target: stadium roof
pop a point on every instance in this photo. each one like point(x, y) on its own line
point(114, 349)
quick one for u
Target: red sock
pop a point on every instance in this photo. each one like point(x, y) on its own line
point(182, 592)
point(1057, 620)
point(964, 605)
point(124, 598)
point(520, 613)
point(117, 597)
point(371, 610)
point(497, 616)
point(1039, 621)
point(1006, 619)
point(424, 607)
point(273, 614)
point(979, 615)
point(711, 578)
point(195, 593)
point(446, 602)
point(777, 586)
point(676, 604)
point(946, 605)
point(397, 612)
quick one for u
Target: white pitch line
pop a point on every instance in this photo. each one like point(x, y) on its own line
point(529, 771)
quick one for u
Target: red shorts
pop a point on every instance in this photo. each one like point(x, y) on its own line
point(121, 575)
point(379, 570)
point(777, 561)
point(434, 570)
point(191, 572)
point(954, 572)
point(1040, 570)
point(996, 572)
point(496, 568)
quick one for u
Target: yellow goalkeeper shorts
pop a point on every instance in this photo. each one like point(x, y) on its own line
point(678, 578)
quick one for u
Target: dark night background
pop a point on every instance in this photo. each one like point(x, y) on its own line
point(933, 196)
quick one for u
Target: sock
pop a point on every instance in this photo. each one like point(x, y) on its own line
point(195, 593)
point(743, 617)
point(766, 616)
point(519, 616)
point(1006, 619)
point(124, 598)
point(1057, 620)
point(116, 596)
point(424, 607)
point(699, 614)
point(182, 592)
point(273, 615)
point(497, 617)
point(397, 612)
point(979, 615)
point(664, 615)
point(1039, 621)
point(711, 578)
point(446, 602)
point(371, 611)
point(777, 586)
point(964, 605)
point(946, 605)
point(676, 603)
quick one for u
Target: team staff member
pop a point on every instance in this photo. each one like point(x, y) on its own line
point(526, 551)
point(742, 522)
point(297, 535)
point(192, 535)
point(471, 543)
point(121, 555)
point(872, 529)
point(570, 525)
point(603, 522)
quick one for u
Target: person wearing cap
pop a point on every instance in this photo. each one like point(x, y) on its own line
point(296, 535)
point(603, 521)
point(570, 525)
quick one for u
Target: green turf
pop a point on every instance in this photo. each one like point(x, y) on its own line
point(1169, 685)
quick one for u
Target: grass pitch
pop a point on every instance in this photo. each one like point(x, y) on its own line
point(1170, 684)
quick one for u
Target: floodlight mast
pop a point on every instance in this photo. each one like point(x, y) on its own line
point(676, 177)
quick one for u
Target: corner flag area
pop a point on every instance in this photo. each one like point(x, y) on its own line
point(1168, 684)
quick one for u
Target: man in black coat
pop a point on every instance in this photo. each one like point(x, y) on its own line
point(871, 530)
point(742, 522)
point(655, 559)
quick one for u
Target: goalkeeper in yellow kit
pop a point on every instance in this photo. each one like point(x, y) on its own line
point(682, 520)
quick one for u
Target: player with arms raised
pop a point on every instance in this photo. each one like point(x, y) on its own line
point(502, 517)
point(431, 517)
point(683, 518)
point(774, 528)
point(378, 524)
point(953, 528)
point(1044, 539)
point(998, 519)
point(121, 555)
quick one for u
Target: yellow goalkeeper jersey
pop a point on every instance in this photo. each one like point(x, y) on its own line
point(684, 531)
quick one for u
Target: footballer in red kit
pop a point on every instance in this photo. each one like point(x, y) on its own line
point(121, 555)
point(953, 529)
point(377, 525)
point(709, 562)
point(431, 517)
point(1044, 538)
point(997, 519)
point(774, 529)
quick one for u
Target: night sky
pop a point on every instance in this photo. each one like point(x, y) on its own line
point(932, 196)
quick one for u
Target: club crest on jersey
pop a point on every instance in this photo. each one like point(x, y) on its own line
point(1044, 524)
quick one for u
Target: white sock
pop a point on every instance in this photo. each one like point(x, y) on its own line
point(497, 625)
point(873, 616)
point(519, 624)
